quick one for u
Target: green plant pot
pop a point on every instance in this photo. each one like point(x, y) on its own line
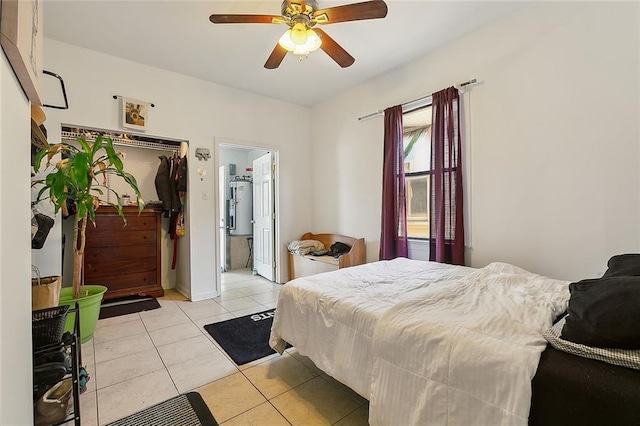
point(89, 309)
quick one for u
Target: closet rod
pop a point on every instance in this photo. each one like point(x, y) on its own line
point(421, 99)
point(70, 132)
point(166, 149)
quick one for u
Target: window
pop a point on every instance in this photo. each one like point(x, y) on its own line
point(417, 164)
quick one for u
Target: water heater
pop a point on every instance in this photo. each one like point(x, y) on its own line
point(240, 207)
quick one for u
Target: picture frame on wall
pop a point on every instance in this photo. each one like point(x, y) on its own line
point(21, 36)
point(134, 114)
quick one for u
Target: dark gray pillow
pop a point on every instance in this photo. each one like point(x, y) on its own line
point(623, 264)
point(604, 313)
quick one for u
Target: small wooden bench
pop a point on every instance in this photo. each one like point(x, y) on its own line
point(302, 266)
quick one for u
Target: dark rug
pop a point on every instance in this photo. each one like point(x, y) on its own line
point(127, 305)
point(183, 410)
point(245, 339)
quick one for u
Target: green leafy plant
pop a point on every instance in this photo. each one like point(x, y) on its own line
point(77, 178)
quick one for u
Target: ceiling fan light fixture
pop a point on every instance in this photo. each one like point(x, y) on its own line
point(300, 50)
point(303, 15)
point(312, 42)
point(298, 33)
point(285, 41)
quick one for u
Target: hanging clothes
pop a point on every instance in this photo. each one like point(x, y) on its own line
point(163, 184)
point(173, 182)
point(181, 185)
point(171, 187)
point(178, 229)
point(166, 184)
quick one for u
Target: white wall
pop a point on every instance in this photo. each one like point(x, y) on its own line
point(237, 156)
point(15, 270)
point(193, 110)
point(552, 131)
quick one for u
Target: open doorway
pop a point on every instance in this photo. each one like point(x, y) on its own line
point(247, 229)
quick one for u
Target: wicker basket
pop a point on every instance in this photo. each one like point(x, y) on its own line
point(47, 325)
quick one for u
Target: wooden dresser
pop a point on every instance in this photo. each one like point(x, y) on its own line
point(125, 259)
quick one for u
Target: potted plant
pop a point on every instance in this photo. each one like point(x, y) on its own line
point(76, 179)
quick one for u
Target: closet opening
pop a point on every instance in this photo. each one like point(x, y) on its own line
point(156, 261)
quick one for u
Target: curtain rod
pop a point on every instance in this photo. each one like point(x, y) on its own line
point(459, 86)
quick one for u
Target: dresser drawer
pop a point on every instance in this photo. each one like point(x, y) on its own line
point(118, 240)
point(110, 267)
point(135, 251)
point(115, 283)
point(112, 222)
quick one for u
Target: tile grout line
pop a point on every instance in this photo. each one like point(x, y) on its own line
point(264, 396)
point(261, 306)
point(155, 347)
point(256, 388)
point(201, 331)
point(160, 356)
point(95, 371)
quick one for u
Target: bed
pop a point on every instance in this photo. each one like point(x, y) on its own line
point(331, 317)
point(424, 342)
point(571, 390)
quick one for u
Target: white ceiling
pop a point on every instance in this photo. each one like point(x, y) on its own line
point(177, 36)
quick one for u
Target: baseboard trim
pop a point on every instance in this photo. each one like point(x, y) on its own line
point(204, 296)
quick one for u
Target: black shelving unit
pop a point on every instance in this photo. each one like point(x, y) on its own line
point(71, 342)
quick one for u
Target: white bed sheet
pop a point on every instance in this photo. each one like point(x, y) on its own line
point(331, 317)
point(464, 354)
point(410, 336)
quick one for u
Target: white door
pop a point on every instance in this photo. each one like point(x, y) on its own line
point(263, 216)
point(222, 207)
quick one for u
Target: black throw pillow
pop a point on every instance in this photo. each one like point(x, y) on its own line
point(604, 313)
point(623, 264)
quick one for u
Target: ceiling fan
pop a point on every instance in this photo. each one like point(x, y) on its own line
point(301, 16)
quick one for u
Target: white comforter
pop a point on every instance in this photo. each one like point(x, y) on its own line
point(465, 354)
point(331, 317)
point(426, 343)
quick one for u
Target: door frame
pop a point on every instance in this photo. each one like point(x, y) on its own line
point(234, 143)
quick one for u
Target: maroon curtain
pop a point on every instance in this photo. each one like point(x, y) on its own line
point(393, 235)
point(446, 218)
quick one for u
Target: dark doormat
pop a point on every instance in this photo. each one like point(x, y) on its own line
point(245, 339)
point(183, 410)
point(127, 305)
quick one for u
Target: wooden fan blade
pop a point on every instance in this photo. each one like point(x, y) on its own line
point(351, 12)
point(334, 50)
point(246, 19)
point(276, 57)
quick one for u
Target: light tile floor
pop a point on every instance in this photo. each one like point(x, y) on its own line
point(138, 360)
